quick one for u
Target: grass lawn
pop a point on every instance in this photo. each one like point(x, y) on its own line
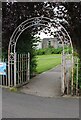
point(46, 62)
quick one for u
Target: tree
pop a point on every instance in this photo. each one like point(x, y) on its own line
point(68, 14)
point(13, 15)
point(74, 11)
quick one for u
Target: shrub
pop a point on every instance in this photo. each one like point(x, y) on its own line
point(50, 50)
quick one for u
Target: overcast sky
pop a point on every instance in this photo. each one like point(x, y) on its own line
point(43, 35)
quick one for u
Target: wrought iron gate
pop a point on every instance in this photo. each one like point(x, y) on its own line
point(18, 71)
point(22, 69)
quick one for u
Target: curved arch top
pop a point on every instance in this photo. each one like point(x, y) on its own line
point(36, 21)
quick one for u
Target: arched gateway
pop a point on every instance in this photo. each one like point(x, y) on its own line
point(12, 55)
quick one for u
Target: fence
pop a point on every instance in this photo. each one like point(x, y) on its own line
point(17, 71)
point(71, 87)
point(76, 78)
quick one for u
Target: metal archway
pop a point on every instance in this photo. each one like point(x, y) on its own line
point(29, 23)
point(36, 21)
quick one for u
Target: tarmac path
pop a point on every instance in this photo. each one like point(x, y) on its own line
point(19, 105)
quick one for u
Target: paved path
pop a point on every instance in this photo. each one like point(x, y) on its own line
point(47, 84)
point(18, 105)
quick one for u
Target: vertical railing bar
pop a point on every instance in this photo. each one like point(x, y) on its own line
point(18, 69)
point(25, 71)
point(28, 66)
point(1, 79)
point(61, 70)
point(6, 74)
point(72, 73)
point(15, 69)
point(3, 75)
point(8, 67)
point(25, 68)
point(11, 68)
point(65, 71)
point(77, 78)
point(11, 73)
point(22, 67)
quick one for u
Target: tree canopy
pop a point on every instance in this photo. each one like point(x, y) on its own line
point(67, 13)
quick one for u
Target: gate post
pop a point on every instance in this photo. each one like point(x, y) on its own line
point(62, 76)
point(15, 69)
point(72, 73)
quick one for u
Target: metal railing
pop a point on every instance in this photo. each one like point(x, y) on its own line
point(17, 72)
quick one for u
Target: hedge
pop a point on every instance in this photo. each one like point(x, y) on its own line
point(45, 51)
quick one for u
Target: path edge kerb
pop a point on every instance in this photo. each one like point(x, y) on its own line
point(51, 69)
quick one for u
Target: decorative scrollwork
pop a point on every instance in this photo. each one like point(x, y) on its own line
point(21, 28)
point(36, 21)
point(12, 43)
point(11, 56)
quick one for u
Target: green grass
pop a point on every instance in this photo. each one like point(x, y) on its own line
point(46, 62)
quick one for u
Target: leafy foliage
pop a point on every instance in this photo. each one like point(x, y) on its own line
point(25, 45)
point(51, 50)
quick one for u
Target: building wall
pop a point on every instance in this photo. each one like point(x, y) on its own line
point(45, 43)
point(53, 42)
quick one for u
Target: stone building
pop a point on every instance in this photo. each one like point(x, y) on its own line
point(53, 42)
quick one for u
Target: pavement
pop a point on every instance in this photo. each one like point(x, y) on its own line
point(40, 99)
point(47, 84)
point(19, 105)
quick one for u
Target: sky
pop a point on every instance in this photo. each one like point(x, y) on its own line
point(43, 35)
